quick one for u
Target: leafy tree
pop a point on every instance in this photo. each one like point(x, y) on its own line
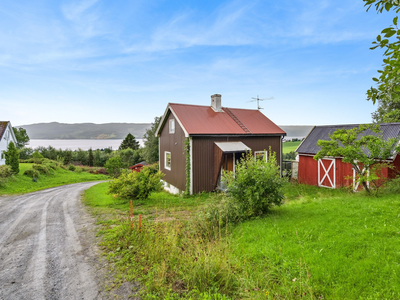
point(150, 151)
point(130, 157)
point(256, 185)
point(12, 157)
point(363, 147)
point(25, 153)
point(114, 166)
point(387, 92)
point(129, 142)
point(21, 136)
point(90, 158)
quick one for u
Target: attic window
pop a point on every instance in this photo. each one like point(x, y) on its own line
point(172, 126)
point(261, 155)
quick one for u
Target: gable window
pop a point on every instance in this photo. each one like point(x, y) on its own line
point(172, 126)
point(261, 155)
point(167, 160)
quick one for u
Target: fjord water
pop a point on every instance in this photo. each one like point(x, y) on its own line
point(75, 144)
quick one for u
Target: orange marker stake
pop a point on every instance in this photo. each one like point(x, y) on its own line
point(131, 216)
point(139, 222)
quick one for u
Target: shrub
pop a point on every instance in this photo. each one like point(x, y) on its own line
point(32, 173)
point(256, 185)
point(5, 171)
point(36, 156)
point(71, 167)
point(101, 171)
point(42, 169)
point(114, 165)
point(12, 157)
point(78, 169)
point(393, 186)
point(136, 185)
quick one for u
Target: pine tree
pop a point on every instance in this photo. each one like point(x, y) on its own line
point(90, 158)
point(129, 142)
point(12, 157)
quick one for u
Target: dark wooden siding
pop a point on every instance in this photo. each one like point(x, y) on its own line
point(203, 156)
point(173, 143)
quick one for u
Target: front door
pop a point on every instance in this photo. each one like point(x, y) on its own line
point(227, 162)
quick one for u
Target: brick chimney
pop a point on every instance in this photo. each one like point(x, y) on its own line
point(216, 102)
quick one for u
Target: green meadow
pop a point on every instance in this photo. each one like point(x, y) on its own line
point(320, 244)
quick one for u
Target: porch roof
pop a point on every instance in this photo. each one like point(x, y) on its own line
point(231, 147)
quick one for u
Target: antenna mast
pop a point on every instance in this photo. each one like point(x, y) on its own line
point(258, 101)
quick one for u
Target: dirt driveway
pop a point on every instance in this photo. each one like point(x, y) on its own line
point(47, 246)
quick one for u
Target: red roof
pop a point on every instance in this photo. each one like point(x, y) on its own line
point(198, 119)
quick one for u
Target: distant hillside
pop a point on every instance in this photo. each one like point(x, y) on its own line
point(55, 130)
point(294, 131)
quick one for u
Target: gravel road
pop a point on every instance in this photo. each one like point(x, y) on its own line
point(46, 246)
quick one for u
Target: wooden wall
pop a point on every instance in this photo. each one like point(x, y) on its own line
point(173, 143)
point(203, 167)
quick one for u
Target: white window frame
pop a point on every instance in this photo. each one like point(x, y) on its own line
point(172, 126)
point(265, 152)
point(165, 160)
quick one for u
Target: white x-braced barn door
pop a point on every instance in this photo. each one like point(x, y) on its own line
point(355, 176)
point(327, 172)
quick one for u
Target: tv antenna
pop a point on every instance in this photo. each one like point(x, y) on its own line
point(258, 101)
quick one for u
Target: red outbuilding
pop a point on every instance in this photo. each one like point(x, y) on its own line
point(138, 167)
point(332, 172)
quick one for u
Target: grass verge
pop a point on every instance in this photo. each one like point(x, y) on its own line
point(321, 244)
point(20, 184)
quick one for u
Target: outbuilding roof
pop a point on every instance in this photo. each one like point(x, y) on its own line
point(309, 145)
point(203, 120)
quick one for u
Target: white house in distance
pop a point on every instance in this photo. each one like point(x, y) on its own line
point(6, 136)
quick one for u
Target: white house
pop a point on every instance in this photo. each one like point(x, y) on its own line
point(6, 136)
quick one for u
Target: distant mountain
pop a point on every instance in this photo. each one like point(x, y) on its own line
point(55, 130)
point(294, 131)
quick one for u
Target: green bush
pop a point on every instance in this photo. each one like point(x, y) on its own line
point(12, 157)
point(71, 168)
point(42, 169)
point(78, 169)
point(5, 171)
point(32, 173)
point(136, 185)
point(393, 186)
point(256, 185)
point(114, 166)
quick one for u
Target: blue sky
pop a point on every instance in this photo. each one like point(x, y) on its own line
point(123, 61)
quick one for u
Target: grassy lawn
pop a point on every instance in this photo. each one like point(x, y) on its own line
point(21, 184)
point(320, 244)
point(290, 146)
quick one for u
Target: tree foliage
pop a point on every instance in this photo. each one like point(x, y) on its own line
point(363, 147)
point(12, 157)
point(90, 158)
point(114, 166)
point(387, 91)
point(150, 151)
point(21, 136)
point(129, 142)
point(256, 185)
